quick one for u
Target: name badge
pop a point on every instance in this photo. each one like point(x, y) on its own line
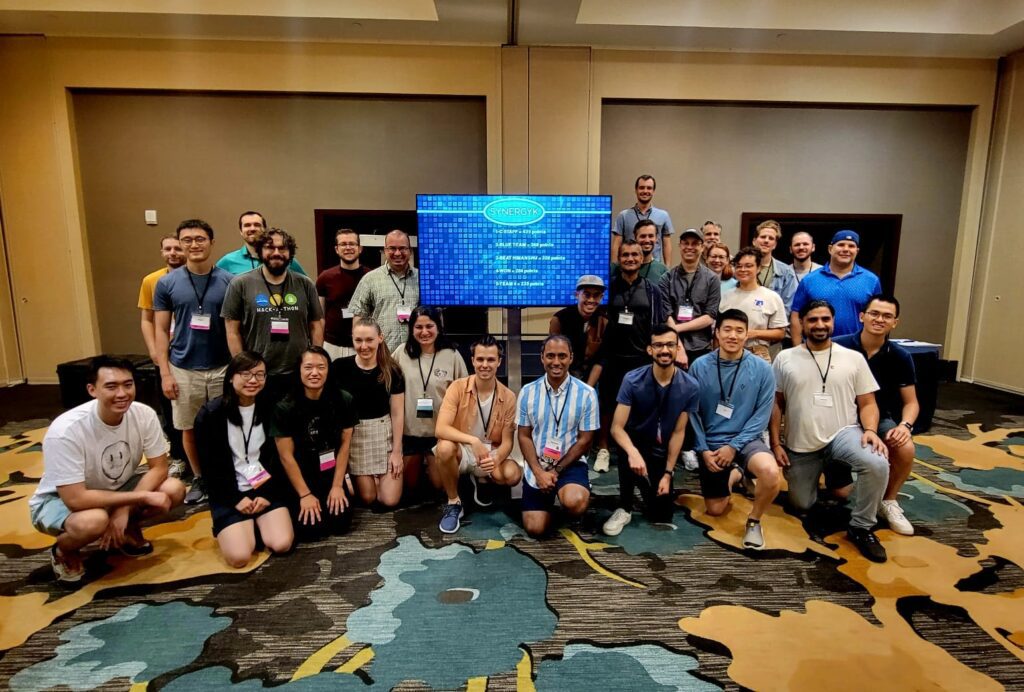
point(403, 313)
point(347, 314)
point(724, 410)
point(279, 327)
point(552, 452)
point(424, 408)
point(201, 322)
point(625, 318)
point(327, 461)
point(823, 400)
point(685, 313)
point(256, 474)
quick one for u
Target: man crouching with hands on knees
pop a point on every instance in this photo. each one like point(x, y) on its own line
point(558, 415)
point(92, 486)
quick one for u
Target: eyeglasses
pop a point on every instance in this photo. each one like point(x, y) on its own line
point(246, 375)
point(348, 245)
point(664, 345)
point(396, 250)
point(876, 315)
point(198, 240)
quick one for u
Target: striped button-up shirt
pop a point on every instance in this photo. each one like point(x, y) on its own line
point(540, 405)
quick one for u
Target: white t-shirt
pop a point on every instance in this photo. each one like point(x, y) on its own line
point(810, 426)
point(236, 441)
point(478, 425)
point(79, 447)
point(763, 307)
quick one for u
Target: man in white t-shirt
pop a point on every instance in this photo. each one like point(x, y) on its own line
point(93, 487)
point(823, 388)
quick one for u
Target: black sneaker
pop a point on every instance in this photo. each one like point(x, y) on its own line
point(197, 493)
point(867, 543)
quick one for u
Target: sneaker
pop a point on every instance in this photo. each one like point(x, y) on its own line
point(867, 543)
point(754, 536)
point(618, 521)
point(176, 468)
point(66, 571)
point(481, 492)
point(690, 460)
point(197, 493)
point(893, 513)
point(450, 518)
point(603, 461)
point(135, 544)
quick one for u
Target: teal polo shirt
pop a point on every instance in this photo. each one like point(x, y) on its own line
point(240, 261)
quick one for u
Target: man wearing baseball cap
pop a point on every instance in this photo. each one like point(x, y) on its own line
point(584, 324)
point(842, 282)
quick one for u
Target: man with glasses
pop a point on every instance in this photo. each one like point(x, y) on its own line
point(247, 258)
point(893, 369)
point(192, 364)
point(649, 424)
point(335, 287)
point(390, 292)
point(274, 312)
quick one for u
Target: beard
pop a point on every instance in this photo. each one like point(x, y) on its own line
point(276, 270)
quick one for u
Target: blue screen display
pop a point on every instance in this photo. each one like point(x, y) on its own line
point(510, 251)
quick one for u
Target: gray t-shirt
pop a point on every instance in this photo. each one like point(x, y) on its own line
point(264, 309)
point(628, 218)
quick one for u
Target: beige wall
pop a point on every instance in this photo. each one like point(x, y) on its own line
point(997, 330)
point(716, 162)
point(213, 156)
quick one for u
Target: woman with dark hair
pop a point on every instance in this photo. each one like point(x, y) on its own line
point(239, 462)
point(313, 426)
point(375, 383)
point(429, 363)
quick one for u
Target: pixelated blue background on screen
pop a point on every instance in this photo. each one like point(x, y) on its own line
point(466, 258)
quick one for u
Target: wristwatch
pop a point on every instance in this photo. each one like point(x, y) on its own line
point(668, 472)
point(910, 426)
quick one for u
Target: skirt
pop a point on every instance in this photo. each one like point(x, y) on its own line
point(371, 445)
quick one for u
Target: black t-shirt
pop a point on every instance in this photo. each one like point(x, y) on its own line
point(576, 329)
point(314, 425)
point(370, 398)
point(628, 340)
point(893, 368)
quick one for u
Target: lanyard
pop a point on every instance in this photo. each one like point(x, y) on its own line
point(560, 414)
point(769, 274)
point(284, 289)
point(736, 376)
point(430, 371)
point(480, 407)
point(200, 298)
point(824, 375)
point(246, 438)
point(253, 261)
point(687, 286)
point(637, 212)
point(662, 394)
point(627, 295)
point(405, 286)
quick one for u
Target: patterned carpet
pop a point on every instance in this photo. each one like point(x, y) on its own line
point(680, 606)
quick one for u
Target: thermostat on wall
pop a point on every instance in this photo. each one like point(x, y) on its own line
point(151, 217)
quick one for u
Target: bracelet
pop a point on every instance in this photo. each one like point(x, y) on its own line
point(910, 426)
point(668, 472)
point(303, 497)
point(869, 430)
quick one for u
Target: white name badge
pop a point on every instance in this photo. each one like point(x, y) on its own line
point(256, 474)
point(347, 314)
point(552, 452)
point(403, 313)
point(724, 410)
point(279, 327)
point(200, 322)
point(327, 461)
point(424, 408)
point(625, 318)
point(823, 400)
point(685, 313)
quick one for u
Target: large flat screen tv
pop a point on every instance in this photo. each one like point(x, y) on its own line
point(510, 251)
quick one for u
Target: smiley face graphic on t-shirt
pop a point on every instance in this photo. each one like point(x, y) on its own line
point(116, 461)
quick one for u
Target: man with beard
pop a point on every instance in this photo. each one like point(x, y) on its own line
point(584, 324)
point(646, 233)
point(801, 246)
point(622, 229)
point(273, 311)
point(824, 390)
point(774, 274)
point(649, 424)
point(389, 293)
point(247, 258)
point(842, 282)
point(335, 287)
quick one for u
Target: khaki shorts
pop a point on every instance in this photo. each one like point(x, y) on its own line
point(467, 464)
point(195, 388)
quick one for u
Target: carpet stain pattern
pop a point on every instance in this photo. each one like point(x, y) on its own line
point(674, 606)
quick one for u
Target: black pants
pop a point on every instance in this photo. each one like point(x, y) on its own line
point(329, 524)
point(173, 435)
point(659, 507)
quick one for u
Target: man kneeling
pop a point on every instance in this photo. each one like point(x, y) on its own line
point(474, 431)
point(737, 393)
point(92, 486)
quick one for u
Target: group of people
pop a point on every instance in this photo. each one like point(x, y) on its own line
point(294, 399)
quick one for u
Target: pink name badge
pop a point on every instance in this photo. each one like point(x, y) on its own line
point(256, 475)
point(552, 452)
point(327, 461)
point(279, 327)
point(201, 322)
point(685, 313)
point(403, 313)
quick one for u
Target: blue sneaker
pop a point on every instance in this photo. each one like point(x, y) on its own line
point(450, 518)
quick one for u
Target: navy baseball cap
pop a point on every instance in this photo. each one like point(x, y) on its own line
point(846, 235)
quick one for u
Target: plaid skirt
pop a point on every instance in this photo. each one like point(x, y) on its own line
point(371, 445)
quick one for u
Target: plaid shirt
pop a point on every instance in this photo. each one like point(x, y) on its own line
point(379, 295)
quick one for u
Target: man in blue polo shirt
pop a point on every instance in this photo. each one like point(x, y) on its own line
point(627, 219)
point(247, 258)
point(557, 418)
point(845, 285)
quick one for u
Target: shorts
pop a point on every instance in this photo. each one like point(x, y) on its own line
point(414, 444)
point(195, 388)
point(839, 476)
point(535, 500)
point(715, 484)
point(47, 512)
point(226, 515)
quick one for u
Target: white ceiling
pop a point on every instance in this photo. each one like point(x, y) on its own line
point(944, 28)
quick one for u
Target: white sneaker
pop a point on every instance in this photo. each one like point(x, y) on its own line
point(891, 511)
point(603, 462)
point(690, 460)
point(617, 522)
point(753, 538)
point(176, 468)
